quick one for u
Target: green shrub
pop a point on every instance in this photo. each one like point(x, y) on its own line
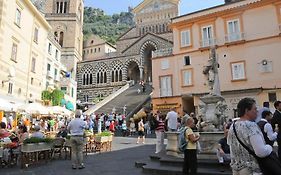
point(37, 140)
point(104, 133)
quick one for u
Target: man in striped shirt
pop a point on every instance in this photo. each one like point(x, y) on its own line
point(160, 134)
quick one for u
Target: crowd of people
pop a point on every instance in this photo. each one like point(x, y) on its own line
point(257, 129)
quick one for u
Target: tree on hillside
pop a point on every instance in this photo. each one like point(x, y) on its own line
point(106, 26)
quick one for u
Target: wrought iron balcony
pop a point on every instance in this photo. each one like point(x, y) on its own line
point(234, 37)
point(49, 74)
point(209, 42)
point(162, 52)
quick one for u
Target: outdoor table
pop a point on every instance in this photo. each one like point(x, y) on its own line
point(29, 156)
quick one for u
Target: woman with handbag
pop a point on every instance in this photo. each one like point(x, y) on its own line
point(248, 151)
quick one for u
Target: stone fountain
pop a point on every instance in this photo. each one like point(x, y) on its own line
point(212, 108)
point(212, 114)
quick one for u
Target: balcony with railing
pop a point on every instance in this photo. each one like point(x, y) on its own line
point(207, 43)
point(49, 74)
point(57, 78)
point(162, 52)
point(235, 38)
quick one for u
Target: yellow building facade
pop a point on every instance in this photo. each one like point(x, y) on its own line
point(246, 35)
point(23, 40)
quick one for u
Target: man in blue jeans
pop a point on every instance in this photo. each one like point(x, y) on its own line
point(76, 128)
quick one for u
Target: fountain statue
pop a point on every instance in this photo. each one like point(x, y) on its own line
point(212, 108)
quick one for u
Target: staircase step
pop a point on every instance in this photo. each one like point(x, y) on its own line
point(129, 97)
point(155, 168)
point(204, 163)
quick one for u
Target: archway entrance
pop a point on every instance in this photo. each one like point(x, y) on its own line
point(147, 57)
point(133, 72)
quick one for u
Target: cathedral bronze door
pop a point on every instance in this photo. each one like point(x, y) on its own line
point(147, 62)
point(133, 72)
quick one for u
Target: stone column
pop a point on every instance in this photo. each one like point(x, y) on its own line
point(172, 144)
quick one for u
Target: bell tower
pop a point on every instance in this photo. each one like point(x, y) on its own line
point(66, 19)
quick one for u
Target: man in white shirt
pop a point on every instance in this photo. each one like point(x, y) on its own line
point(264, 108)
point(172, 118)
point(76, 128)
point(269, 135)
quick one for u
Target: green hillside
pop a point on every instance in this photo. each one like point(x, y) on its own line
point(106, 26)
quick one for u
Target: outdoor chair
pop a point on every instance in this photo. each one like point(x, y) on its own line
point(58, 146)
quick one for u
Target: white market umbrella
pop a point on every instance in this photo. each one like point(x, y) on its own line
point(34, 108)
point(6, 105)
point(59, 110)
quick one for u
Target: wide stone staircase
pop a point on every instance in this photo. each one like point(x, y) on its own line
point(162, 164)
point(133, 100)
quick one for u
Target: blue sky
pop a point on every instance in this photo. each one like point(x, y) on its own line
point(116, 6)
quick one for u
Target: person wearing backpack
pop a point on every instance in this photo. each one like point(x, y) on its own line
point(190, 153)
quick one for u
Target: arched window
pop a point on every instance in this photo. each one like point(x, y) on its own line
point(91, 78)
point(101, 68)
point(84, 79)
point(116, 76)
point(98, 78)
point(87, 79)
point(65, 7)
point(105, 78)
point(56, 36)
point(61, 7)
point(160, 28)
point(143, 30)
point(163, 27)
point(116, 72)
point(87, 76)
point(120, 75)
point(101, 78)
point(61, 39)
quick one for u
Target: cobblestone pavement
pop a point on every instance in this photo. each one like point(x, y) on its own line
point(121, 160)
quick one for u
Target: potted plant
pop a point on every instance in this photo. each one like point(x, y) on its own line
point(34, 144)
point(103, 137)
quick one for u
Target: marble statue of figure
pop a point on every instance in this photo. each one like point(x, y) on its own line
point(211, 72)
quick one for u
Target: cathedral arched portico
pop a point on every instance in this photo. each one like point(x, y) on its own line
point(146, 63)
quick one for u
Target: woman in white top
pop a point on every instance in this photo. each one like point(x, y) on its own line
point(249, 133)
